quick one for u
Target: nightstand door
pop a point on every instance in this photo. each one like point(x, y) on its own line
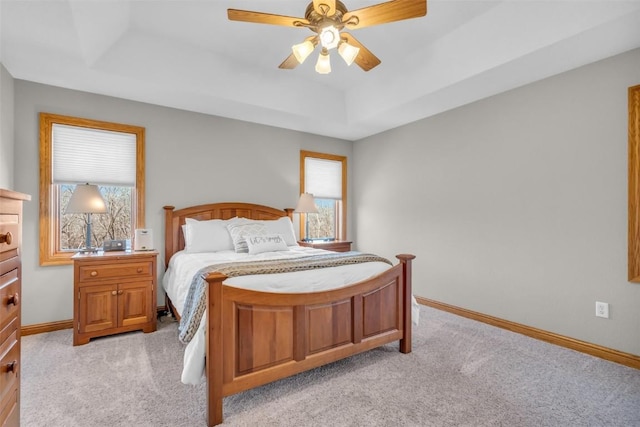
point(135, 303)
point(98, 308)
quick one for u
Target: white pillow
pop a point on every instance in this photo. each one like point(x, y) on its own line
point(239, 231)
point(207, 236)
point(284, 227)
point(265, 243)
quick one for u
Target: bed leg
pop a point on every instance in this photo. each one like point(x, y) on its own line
point(405, 342)
point(214, 351)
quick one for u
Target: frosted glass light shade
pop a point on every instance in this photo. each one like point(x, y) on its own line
point(348, 52)
point(303, 50)
point(323, 66)
point(86, 198)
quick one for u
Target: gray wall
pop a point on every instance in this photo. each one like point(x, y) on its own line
point(6, 129)
point(516, 205)
point(190, 159)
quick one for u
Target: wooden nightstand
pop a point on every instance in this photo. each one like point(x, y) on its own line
point(114, 292)
point(336, 245)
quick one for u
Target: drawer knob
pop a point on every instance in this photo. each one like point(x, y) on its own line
point(14, 299)
point(120, 292)
point(12, 366)
point(139, 269)
point(93, 273)
point(6, 238)
point(114, 293)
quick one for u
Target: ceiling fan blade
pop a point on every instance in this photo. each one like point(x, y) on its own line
point(290, 63)
point(395, 10)
point(365, 59)
point(265, 18)
point(325, 7)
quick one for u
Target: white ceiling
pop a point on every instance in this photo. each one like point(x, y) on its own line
point(186, 54)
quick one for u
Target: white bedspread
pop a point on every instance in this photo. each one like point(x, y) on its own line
point(183, 266)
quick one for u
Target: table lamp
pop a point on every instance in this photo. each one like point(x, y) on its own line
point(86, 199)
point(306, 204)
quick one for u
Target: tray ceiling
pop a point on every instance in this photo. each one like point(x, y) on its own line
point(188, 55)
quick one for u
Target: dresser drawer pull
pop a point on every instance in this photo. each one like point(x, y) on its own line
point(114, 292)
point(14, 299)
point(93, 273)
point(120, 292)
point(12, 366)
point(6, 238)
point(140, 270)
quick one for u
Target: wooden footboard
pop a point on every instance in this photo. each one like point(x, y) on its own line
point(254, 338)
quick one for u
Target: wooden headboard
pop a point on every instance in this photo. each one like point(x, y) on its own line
point(175, 219)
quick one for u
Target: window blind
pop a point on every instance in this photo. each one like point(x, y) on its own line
point(83, 155)
point(323, 178)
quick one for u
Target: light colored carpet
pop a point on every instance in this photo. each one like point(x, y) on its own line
point(460, 373)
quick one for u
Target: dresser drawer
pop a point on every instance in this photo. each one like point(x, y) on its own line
point(8, 265)
point(7, 332)
point(10, 410)
point(9, 295)
point(121, 270)
point(9, 364)
point(9, 236)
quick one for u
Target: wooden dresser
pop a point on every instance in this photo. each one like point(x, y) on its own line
point(114, 292)
point(10, 292)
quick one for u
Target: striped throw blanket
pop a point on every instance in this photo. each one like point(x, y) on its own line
point(195, 304)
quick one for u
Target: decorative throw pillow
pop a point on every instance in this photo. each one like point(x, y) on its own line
point(284, 227)
point(239, 231)
point(265, 243)
point(206, 236)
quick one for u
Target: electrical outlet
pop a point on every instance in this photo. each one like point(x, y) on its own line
point(602, 309)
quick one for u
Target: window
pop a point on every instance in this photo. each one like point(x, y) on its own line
point(324, 176)
point(77, 151)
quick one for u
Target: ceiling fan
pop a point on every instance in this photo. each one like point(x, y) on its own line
point(327, 18)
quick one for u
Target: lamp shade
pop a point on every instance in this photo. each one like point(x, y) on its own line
point(306, 204)
point(86, 198)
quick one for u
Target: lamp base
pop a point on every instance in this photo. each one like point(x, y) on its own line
point(88, 250)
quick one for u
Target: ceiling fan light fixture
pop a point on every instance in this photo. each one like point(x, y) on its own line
point(348, 52)
point(329, 37)
point(302, 50)
point(323, 66)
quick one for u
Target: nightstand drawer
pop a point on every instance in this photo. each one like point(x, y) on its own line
point(122, 270)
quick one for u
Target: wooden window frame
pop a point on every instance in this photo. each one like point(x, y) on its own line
point(341, 231)
point(634, 186)
point(50, 252)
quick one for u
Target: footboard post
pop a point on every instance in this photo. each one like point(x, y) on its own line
point(214, 351)
point(405, 342)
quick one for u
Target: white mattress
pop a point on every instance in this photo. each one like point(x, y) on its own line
point(183, 266)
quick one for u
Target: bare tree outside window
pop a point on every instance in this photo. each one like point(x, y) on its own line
point(323, 224)
point(114, 225)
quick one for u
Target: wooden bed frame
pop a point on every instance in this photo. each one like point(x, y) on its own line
point(254, 338)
